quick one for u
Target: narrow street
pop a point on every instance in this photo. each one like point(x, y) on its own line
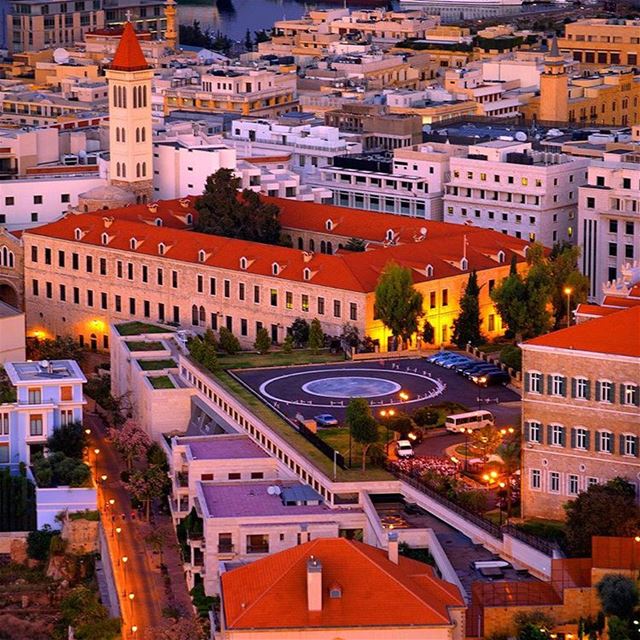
point(138, 578)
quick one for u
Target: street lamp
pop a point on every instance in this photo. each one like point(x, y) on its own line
point(567, 292)
point(501, 496)
point(87, 431)
point(384, 414)
point(103, 477)
point(131, 597)
point(466, 448)
point(124, 574)
point(404, 396)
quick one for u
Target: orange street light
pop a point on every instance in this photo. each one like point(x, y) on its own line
point(118, 529)
point(383, 413)
point(87, 431)
point(133, 628)
point(494, 475)
point(112, 501)
point(96, 451)
point(486, 477)
point(403, 395)
point(637, 538)
point(132, 596)
point(103, 477)
point(567, 292)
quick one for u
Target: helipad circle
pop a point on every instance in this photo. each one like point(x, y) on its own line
point(351, 387)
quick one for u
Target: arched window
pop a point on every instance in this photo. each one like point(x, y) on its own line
point(123, 135)
point(144, 169)
point(501, 256)
point(202, 256)
point(328, 225)
point(138, 170)
point(464, 264)
point(161, 248)
point(306, 273)
point(118, 169)
point(329, 247)
point(390, 234)
point(124, 98)
point(135, 97)
point(323, 246)
point(158, 222)
point(243, 263)
point(137, 134)
point(312, 245)
point(202, 316)
point(133, 244)
point(77, 234)
point(144, 96)
point(117, 134)
point(275, 268)
point(189, 217)
point(104, 238)
point(194, 315)
point(429, 271)
point(300, 244)
point(124, 170)
point(114, 95)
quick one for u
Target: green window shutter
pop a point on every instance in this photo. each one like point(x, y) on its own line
point(622, 390)
point(573, 387)
point(549, 384)
point(597, 390)
point(587, 443)
point(548, 434)
point(573, 438)
point(563, 436)
point(621, 440)
point(596, 441)
point(588, 390)
point(613, 391)
point(613, 444)
point(527, 382)
point(637, 396)
point(564, 386)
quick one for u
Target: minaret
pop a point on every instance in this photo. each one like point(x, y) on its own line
point(554, 87)
point(130, 121)
point(171, 34)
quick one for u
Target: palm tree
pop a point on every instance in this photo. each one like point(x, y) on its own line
point(510, 452)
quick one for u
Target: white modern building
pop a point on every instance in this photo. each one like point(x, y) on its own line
point(508, 186)
point(609, 219)
point(48, 394)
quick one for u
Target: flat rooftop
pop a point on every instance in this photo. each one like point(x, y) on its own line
point(7, 311)
point(252, 499)
point(45, 370)
point(223, 447)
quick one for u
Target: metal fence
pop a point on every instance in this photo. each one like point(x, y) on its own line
point(321, 445)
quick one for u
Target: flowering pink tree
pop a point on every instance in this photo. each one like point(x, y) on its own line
point(130, 441)
point(147, 485)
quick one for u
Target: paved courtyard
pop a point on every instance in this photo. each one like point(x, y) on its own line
point(401, 384)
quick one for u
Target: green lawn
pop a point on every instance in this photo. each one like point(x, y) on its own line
point(135, 328)
point(338, 439)
point(277, 359)
point(553, 530)
point(284, 429)
point(156, 365)
point(161, 382)
point(140, 345)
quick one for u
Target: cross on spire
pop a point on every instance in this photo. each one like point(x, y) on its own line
point(128, 15)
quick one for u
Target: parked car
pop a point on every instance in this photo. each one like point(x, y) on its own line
point(441, 354)
point(468, 366)
point(481, 368)
point(453, 362)
point(491, 378)
point(404, 449)
point(326, 420)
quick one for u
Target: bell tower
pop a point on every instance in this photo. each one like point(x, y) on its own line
point(554, 87)
point(171, 34)
point(130, 120)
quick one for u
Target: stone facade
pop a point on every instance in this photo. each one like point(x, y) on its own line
point(11, 269)
point(569, 441)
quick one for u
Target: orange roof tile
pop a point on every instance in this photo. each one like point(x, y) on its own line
point(619, 301)
point(271, 593)
point(172, 213)
point(129, 56)
point(595, 310)
point(615, 334)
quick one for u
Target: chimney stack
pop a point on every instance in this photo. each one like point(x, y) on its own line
point(304, 534)
point(314, 584)
point(392, 547)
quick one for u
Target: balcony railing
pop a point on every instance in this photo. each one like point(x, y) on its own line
point(226, 547)
point(257, 548)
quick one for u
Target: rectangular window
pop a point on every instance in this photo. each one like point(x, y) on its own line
point(554, 482)
point(146, 307)
point(200, 283)
point(34, 254)
point(582, 388)
point(145, 273)
point(61, 260)
point(445, 297)
point(66, 393)
point(274, 297)
point(103, 266)
point(572, 485)
point(89, 264)
point(535, 432)
point(558, 385)
point(535, 382)
point(243, 327)
point(320, 306)
point(63, 293)
point(337, 311)
point(75, 261)
point(256, 294)
point(606, 391)
point(176, 314)
point(35, 395)
point(432, 300)
point(161, 312)
point(35, 424)
point(103, 300)
point(48, 289)
point(353, 311)
point(117, 303)
point(47, 255)
point(119, 273)
point(241, 291)
point(160, 276)
point(34, 287)
point(536, 479)
point(581, 438)
point(76, 295)
point(605, 442)
point(130, 270)
point(304, 302)
point(212, 286)
point(132, 306)
point(89, 298)
point(174, 279)
point(630, 443)
point(226, 286)
point(630, 394)
point(288, 300)
point(557, 435)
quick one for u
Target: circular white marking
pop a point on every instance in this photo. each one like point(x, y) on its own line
point(351, 387)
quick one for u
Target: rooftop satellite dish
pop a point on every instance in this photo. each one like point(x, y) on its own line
point(61, 56)
point(44, 363)
point(271, 490)
point(277, 490)
point(521, 136)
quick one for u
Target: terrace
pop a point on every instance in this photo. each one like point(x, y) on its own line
point(136, 328)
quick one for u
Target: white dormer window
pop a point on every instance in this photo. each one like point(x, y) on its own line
point(464, 264)
point(501, 256)
point(133, 244)
point(429, 271)
point(390, 235)
point(328, 225)
point(202, 256)
point(306, 273)
point(189, 218)
point(275, 268)
point(158, 222)
point(244, 263)
point(77, 234)
point(104, 238)
point(161, 248)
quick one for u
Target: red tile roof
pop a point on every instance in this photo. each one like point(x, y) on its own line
point(271, 593)
point(172, 213)
point(619, 301)
point(129, 56)
point(595, 310)
point(348, 270)
point(614, 334)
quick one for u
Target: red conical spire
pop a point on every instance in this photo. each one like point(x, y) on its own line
point(129, 56)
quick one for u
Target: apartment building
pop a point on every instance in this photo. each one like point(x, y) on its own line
point(598, 42)
point(508, 186)
point(240, 90)
point(11, 269)
point(408, 182)
point(48, 394)
point(609, 218)
point(43, 24)
point(581, 410)
point(116, 268)
point(340, 588)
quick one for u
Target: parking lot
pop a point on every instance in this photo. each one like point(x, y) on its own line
point(402, 384)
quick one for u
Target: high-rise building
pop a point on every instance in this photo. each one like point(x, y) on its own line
point(130, 120)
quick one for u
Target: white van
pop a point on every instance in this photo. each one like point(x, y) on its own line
point(472, 420)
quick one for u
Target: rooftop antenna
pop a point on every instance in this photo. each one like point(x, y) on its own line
point(128, 15)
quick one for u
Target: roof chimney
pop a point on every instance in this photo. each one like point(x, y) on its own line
point(314, 584)
point(392, 547)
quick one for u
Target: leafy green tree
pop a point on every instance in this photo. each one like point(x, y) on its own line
point(248, 41)
point(485, 441)
point(428, 332)
point(350, 336)
point(355, 244)
point(58, 348)
point(39, 542)
point(363, 427)
point(209, 338)
point(228, 342)
point(618, 628)
point(398, 304)
point(602, 510)
point(510, 452)
point(157, 456)
point(204, 350)
point(466, 327)
point(130, 441)
point(263, 341)
point(401, 423)
point(528, 622)
point(287, 345)
point(299, 331)
point(224, 211)
point(316, 336)
point(618, 595)
point(146, 485)
point(262, 35)
point(511, 355)
point(69, 439)
point(7, 390)
point(564, 272)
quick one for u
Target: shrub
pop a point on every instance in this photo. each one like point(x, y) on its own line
point(536, 618)
point(228, 342)
point(263, 341)
point(287, 345)
point(511, 355)
point(60, 470)
point(618, 595)
point(69, 439)
point(425, 417)
point(39, 543)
